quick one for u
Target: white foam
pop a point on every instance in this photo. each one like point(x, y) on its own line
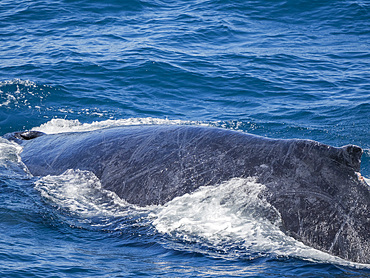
point(20, 97)
point(17, 81)
point(10, 157)
point(59, 125)
point(230, 215)
point(62, 125)
point(80, 193)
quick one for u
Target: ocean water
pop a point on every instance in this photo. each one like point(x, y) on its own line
point(276, 68)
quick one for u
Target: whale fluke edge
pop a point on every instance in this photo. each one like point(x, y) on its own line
point(317, 189)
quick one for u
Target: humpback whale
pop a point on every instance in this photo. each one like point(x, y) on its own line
point(317, 189)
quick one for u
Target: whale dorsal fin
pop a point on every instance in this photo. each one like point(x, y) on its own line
point(351, 155)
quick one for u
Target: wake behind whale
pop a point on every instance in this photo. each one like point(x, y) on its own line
point(316, 189)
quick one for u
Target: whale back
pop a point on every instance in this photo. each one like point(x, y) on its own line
point(316, 188)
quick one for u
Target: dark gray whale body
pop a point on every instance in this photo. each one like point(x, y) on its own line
point(322, 199)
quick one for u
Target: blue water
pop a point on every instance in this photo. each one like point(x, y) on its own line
point(282, 69)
